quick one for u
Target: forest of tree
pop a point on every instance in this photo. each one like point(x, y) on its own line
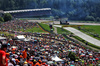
point(73, 9)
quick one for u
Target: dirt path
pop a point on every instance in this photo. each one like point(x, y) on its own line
point(55, 30)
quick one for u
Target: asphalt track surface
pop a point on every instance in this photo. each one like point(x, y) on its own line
point(71, 23)
point(83, 36)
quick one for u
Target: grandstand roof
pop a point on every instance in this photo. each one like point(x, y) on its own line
point(27, 10)
point(1, 11)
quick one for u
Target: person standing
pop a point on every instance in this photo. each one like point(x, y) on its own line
point(25, 54)
point(3, 60)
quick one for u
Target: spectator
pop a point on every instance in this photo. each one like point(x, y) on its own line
point(25, 54)
point(3, 60)
point(11, 63)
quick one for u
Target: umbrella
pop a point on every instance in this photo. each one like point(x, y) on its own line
point(96, 58)
point(8, 44)
point(46, 46)
point(35, 40)
point(50, 62)
point(72, 65)
point(82, 55)
point(46, 52)
point(73, 50)
point(76, 60)
point(93, 59)
point(82, 61)
point(14, 47)
point(68, 50)
point(42, 50)
point(90, 54)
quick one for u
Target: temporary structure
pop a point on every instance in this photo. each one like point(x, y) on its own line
point(26, 40)
point(2, 38)
point(55, 58)
point(20, 37)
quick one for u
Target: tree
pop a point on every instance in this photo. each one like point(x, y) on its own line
point(1, 19)
point(97, 19)
point(72, 56)
point(56, 17)
point(90, 18)
point(7, 17)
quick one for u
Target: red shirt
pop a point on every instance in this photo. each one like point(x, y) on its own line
point(2, 54)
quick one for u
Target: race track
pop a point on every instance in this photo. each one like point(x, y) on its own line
point(82, 35)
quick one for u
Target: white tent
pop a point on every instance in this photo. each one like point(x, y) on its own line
point(20, 37)
point(26, 39)
point(55, 58)
point(2, 38)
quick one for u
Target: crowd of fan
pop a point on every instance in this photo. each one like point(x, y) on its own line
point(16, 25)
point(42, 48)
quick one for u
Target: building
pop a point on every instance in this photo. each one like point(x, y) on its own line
point(30, 12)
point(1, 12)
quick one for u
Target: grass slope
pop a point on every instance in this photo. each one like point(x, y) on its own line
point(62, 31)
point(46, 27)
point(34, 29)
point(94, 29)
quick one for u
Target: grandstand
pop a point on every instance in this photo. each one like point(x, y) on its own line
point(1, 12)
point(30, 12)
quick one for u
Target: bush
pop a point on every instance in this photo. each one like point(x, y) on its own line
point(56, 17)
point(90, 18)
point(7, 17)
point(72, 56)
point(1, 19)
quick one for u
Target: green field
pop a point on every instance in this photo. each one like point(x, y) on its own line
point(34, 29)
point(62, 31)
point(94, 27)
point(45, 26)
point(37, 29)
point(92, 30)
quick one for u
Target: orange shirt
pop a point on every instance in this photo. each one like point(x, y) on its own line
point(24, 54)
point(37, 64)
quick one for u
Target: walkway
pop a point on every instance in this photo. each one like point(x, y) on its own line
point(82, 35)
point(55, 29)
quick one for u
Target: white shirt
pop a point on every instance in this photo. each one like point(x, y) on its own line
point(10, 64)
